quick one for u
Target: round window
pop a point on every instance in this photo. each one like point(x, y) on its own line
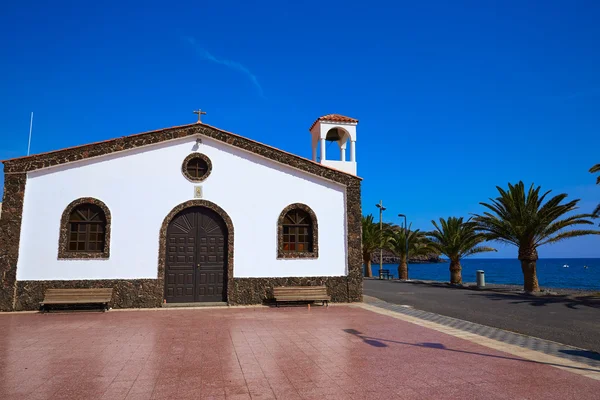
point(196, 167)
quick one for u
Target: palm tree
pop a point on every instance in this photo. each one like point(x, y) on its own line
point(522, 218)
point(371, 241)
point(593, 170)
point(396, 243)
point(456, 239)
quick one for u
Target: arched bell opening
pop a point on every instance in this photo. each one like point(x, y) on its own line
point(340, 136)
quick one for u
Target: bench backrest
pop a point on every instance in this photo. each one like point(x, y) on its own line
point(96, 295)
point(299, 291)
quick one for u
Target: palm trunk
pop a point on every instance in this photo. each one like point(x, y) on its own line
point(528, 257)
point(403, 270)
point(367, 262)
point(455, 273)
point(530, 281)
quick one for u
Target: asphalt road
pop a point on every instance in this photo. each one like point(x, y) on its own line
point(565, 319)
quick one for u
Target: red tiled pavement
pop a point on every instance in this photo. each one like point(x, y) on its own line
point(259, 353)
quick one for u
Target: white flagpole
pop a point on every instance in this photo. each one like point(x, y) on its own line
point(30, 128)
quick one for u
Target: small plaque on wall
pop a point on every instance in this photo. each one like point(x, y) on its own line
point(197, 192)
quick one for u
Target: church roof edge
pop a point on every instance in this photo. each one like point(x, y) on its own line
point(76, 153)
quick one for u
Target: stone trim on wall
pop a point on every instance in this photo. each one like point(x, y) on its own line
point(162, 248)
point(63, 237)
point(281, 253)
point(191, 157)
point(58, 157)
point(354, 241)
point(10, 236)
point(127, 293)
point(342, 289)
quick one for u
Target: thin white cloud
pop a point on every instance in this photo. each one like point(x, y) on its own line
point(236, 66)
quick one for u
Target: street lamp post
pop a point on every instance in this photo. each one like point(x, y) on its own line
point(381, 210)
point(406, 240)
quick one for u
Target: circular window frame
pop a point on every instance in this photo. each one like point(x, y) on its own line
point(194, 156)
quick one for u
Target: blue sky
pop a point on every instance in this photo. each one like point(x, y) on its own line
point(453, 98)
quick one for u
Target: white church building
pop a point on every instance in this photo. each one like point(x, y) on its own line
point(183, 215)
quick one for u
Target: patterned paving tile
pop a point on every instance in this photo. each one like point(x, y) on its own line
point(339, 352)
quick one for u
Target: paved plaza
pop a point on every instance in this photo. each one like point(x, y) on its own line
point(340, 352)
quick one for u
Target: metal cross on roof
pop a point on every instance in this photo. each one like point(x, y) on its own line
point(200, 113)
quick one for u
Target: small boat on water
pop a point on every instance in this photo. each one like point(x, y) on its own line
point(565, 266)
point(585, 267)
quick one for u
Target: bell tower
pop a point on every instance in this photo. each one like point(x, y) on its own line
point(335, 128)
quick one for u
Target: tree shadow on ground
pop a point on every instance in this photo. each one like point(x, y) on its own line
point(511, 293)
point(582, 353)
point(370, 342)
point(569, 301)
point(512, 296)
point(448, 285)
point(379, 342)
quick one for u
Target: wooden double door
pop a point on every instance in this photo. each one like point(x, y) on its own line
point(196, 263)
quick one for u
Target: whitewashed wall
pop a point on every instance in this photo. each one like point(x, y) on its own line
point(141, 186)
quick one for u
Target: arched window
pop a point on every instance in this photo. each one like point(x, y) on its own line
point(297, 232)
point(85, 230)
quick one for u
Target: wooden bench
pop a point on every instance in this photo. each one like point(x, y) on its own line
point(301, 293)
point(76, 296)
point(385, 274)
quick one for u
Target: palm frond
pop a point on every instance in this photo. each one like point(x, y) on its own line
point(570, 234)
point(556, 226)
point(372, 235)
point(594, 169)
point(455, 238)
point(480, 249)
point(529, 218)
point(418, 244)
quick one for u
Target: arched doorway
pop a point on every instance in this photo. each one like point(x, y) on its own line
point(196, 257)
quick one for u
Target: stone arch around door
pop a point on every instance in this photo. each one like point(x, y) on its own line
point(162, 255)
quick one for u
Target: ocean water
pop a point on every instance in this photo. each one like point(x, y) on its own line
point(550, 272)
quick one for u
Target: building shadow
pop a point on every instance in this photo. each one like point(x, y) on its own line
point(379, 342)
